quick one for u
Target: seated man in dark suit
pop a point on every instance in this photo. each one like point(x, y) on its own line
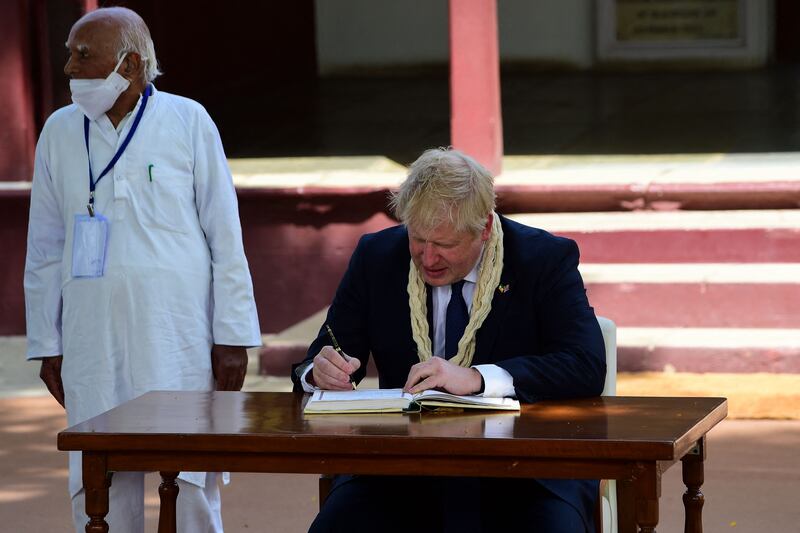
point(461, 299)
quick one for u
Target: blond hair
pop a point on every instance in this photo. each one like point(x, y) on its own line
point(445, 185)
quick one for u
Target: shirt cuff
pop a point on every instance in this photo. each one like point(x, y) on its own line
point(498, 382)
point(307, 387)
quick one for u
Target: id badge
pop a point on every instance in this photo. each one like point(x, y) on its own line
point(89, 243)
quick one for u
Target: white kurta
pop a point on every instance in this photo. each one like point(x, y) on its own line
point(176, 278)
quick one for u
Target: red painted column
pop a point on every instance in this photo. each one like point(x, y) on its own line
point(476, 125)
point(17, 135)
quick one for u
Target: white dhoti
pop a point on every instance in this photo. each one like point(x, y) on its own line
point(198, 509)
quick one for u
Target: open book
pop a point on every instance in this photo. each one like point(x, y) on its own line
point(397, 401)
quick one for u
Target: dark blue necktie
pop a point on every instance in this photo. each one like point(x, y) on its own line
point(456, 320)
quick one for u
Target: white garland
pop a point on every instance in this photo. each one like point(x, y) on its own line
point(488, 280)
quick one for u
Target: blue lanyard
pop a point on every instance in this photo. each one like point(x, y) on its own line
point(92, 182)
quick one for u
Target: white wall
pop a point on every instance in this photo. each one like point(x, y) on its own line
point(385, 33)
point(558, 31)
point(371, 34)
point(380, 33)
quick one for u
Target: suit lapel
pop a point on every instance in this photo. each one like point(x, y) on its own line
point(486, 336)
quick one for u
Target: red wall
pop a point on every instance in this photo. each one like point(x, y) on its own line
point(17, 133)
point(297, 247)
point(13, 234)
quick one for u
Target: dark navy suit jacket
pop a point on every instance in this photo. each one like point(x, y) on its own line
point(541, 329)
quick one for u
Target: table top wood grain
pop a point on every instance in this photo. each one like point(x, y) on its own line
point(628, 428)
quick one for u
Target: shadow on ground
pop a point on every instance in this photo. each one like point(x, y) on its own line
point(752, 475)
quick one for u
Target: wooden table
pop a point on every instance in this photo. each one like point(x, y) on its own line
point(629, 439)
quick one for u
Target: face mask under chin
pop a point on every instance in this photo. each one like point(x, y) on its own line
point(96, 96)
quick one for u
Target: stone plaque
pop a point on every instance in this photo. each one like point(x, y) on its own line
point(677, 20)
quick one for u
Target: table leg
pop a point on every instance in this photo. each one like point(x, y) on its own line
point(648, 488)
point(96, 482)
point(626, 506)
point(693, 499)
point(168, 491)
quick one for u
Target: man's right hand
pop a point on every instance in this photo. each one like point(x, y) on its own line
point(50, 373)
point(332, 371)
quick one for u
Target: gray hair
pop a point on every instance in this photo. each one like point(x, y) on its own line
point(134, 36)
point(445, 185)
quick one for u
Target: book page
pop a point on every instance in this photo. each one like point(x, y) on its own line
point(441, 395)
point(359, 395)
point(359, 401)
point(434, 397)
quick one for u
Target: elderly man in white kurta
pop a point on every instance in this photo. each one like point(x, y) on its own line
point(136, 277)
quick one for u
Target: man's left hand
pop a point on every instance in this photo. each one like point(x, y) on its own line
point(438, 373)
point(229, 364)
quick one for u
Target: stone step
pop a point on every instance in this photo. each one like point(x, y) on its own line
point(746, 350)
point(762, 295)
point(733, 350)
point(698, 305)
point(683, 349)
point(689, 290)
point(678, 236)
point(550, 183)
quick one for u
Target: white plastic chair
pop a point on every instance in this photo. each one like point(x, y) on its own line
point(609, 486)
